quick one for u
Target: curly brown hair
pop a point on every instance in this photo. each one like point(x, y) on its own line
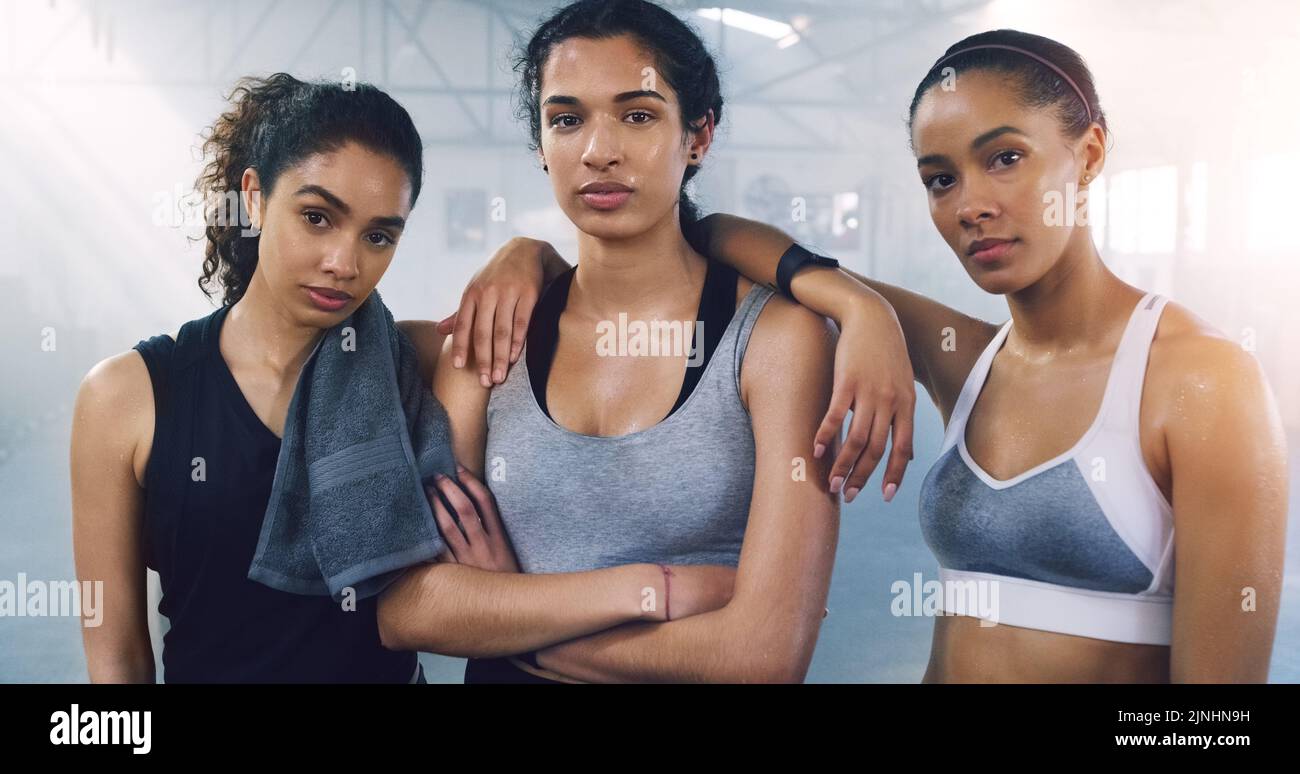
point(273, 123)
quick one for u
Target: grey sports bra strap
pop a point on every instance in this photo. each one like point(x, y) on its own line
point(748, 313)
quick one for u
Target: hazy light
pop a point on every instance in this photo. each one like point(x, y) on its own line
point(759, 25)
point(1270, 217)
point(1143, 210)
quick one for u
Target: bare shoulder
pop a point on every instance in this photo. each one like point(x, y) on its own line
point(1186, 345)
point(118, 382)
point(424, 336)
point(464, 379)
point(458, 389)
point(785, 324)
point(787, 346)
point(1192, 364)
point(115, 409)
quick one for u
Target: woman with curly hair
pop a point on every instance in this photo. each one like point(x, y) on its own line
point(175, 441)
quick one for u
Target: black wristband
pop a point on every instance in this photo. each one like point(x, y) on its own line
point(794, 259)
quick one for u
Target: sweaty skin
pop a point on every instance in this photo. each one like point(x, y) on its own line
point(1210, 434)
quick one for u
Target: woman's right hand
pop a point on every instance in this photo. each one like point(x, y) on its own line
point(691, 589)
point(497, 305)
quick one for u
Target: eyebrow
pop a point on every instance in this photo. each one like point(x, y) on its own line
point(626, 96)
point(986, 137)
point(392, 221)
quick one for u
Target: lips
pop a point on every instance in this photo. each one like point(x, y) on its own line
point(327, 299)
point(330, 292)
point(984, 250)
point(605, 194)
point(604, 186)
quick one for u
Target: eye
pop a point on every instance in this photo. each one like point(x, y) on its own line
point(1008, 157)
point(562, 120)
point(648, 117)
point(314, 217)
point(939, 182)
point(384, 239)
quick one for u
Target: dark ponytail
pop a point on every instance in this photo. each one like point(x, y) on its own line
point(1037, 84)
point(272, 124)
point(681, 58)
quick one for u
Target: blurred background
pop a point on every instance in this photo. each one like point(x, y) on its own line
point(104, 101)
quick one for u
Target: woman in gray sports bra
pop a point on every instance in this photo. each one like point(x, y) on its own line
point(1082, 431)
point(661, 416)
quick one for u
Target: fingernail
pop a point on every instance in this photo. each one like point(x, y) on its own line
point(459, 361)
point(460, 468)
point(850, 494)
point(836, 483)
point(497, 376)
point(890, 490)
point(818, 450)
point(439, 477)
point(484, 380)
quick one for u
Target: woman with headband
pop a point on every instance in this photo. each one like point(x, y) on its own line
point(1096, 442)
point(1099, 440)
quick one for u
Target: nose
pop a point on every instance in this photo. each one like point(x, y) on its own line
point(342, 260)
point(976, 203)
point(604, 149)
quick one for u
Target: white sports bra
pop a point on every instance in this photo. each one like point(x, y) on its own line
point(1082, 544)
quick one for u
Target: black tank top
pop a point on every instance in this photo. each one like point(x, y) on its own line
point(207, 485)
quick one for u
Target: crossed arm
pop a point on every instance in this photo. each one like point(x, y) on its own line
point(768, 629)
point(460, 609)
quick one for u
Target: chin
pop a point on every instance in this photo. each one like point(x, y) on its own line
point(319, 318)
point(999, 288)
point(612, 225)
point(999, 282)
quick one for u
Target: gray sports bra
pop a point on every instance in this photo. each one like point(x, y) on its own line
point(1081, 544)
point(677, 492)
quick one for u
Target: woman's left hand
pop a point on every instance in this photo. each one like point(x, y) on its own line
point(476, 536)
point(873, 377)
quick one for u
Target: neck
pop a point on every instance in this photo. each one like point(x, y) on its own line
point(260, 332)
point(643, 275)
point(1073, 306)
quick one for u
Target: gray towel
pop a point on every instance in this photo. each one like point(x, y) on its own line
point(362, 437)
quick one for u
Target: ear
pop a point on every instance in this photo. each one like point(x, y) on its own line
point(250, 192)
point(542, 160)
point(701, 138)
point(1092, 152)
